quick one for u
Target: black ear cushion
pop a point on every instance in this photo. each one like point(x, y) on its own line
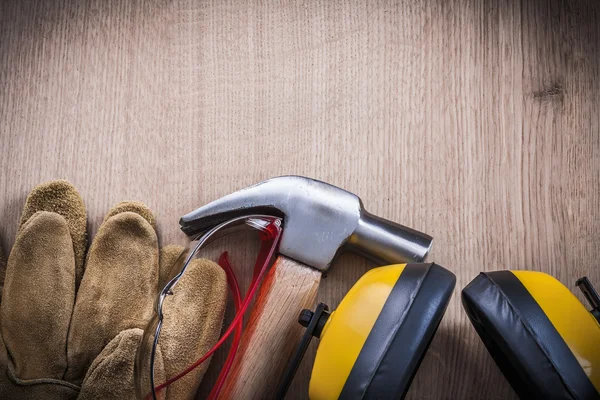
point(401, 335)
point(522, 341)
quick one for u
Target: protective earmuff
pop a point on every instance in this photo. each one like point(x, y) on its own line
point(372, 345)
point(546, 343)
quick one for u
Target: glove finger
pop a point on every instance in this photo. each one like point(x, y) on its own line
point(62, 198)
point(111, 375)
point(39, 292)
point(193, 318)
point(134, 207)
point(118, 288)
point(168, 255)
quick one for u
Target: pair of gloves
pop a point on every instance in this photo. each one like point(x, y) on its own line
point(71, 319)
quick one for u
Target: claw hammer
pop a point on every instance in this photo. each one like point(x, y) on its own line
point(319, 220)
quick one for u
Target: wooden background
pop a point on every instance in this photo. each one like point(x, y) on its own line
point(475, 121)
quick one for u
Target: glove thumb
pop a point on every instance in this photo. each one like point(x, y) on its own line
point(111, 374)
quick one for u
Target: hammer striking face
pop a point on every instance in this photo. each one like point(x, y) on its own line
point(319, 221)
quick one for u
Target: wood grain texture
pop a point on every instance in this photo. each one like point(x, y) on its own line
point(474, 121)
point(272, 333)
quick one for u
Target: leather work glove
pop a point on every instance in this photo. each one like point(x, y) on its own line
point(71, 323)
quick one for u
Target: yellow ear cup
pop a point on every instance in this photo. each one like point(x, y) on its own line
point(347, 330)
point(373, 343)
point(543, 339)
point(577, 327)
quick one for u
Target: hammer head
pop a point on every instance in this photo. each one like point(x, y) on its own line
point(319, 220)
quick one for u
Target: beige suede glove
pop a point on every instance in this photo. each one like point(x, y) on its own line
point(71, 324)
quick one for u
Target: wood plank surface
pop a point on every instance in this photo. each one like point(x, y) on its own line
point(477, 122)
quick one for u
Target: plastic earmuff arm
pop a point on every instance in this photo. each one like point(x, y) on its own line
point(314, 323)
point(591, 295)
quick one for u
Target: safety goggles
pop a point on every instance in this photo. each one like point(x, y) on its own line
point(267, 229)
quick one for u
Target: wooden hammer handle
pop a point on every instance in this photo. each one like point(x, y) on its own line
point(273, 332)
